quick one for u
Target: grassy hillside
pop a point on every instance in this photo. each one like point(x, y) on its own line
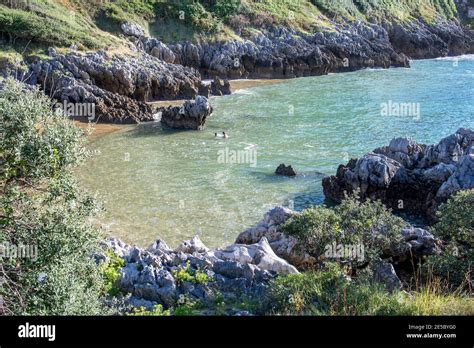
point(94, 24)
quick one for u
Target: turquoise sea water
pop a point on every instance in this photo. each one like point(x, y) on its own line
point(176, 184)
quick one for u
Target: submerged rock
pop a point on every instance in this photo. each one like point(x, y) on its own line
point(285, 170)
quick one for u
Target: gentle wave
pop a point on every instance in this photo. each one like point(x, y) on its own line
point(464, 57)
point(244, 91)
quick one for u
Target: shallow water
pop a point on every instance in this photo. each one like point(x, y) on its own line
point(176, 184)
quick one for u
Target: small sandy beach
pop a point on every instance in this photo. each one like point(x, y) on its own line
point(101, 129)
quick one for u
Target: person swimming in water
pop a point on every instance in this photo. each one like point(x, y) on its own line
point(223, 135)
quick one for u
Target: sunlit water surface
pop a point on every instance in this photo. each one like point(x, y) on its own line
point(173, 184)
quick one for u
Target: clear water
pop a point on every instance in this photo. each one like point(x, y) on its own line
point(172, 184)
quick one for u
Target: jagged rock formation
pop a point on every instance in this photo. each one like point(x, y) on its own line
point(118, 86)
point(191, 115)
point(149, 275)
point(409, 176)
point(220, 87)
point(258, 255)
point(284, 53)
point(270, 227)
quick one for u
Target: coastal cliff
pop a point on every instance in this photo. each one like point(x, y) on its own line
point(163, 51)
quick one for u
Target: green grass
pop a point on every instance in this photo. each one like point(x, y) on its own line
point(329, 292)
point(94, 24)
point(51, 23)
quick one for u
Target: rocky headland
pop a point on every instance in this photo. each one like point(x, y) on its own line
point(121, 85)
point(408, 176)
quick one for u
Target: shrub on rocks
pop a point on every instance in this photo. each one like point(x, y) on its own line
point(329, 292)
point(366, 224)
point(456, 228)
point(456, 219)
point(332, 292)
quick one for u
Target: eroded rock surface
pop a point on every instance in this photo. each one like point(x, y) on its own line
point(118, 86)
point(149, 275)
point(409, 176)
point(191, 115)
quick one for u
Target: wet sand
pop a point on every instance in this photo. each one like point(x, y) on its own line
point(244, 84)
point(101, 129)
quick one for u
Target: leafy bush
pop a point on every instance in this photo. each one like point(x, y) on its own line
point(456, 219)
point(330, 292)
point(456, 228)
point(157, 311)
point(186, 274)
point(368, 224)
point(43, 208)
point(190, 13)
point(110, 270)
point(222, 8)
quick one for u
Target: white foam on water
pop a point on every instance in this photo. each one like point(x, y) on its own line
point(244, 92)
point(464, 57)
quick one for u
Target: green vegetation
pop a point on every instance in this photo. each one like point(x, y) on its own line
point(351, 223)
point(110, 270)
point(186, 274)
point(43, 209)
point(456, 227)
point(157, 311)
point(442, 286)
point(330, 292)
point(47, 22)
point(456, 219)
point(90, 23)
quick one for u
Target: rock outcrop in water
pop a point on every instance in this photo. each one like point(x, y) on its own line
point(409, 176)
point(284, 170)
point(191, 115)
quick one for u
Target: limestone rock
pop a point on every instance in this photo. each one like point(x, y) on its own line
point(132, 29)
point(192, 115)
point(407, 175)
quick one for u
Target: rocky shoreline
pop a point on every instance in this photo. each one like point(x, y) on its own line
point(265, 251)
point(122, 86)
